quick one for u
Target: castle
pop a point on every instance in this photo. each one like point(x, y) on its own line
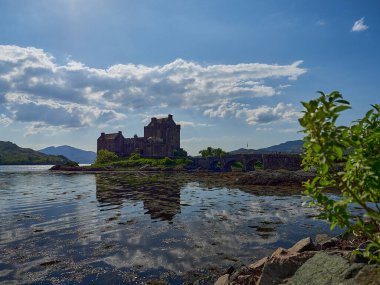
point(161, 138)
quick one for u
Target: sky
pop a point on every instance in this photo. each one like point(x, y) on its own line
point(232, 73)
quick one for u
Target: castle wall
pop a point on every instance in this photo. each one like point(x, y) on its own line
point(161, 137)
point(134, 145)
point(116, 145)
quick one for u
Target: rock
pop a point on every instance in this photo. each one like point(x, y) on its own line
point(328, 244)
point(357, 258)
point(321, 238)
point(222, 280)
point(321, 269)
point(149, 168)
point(368, 275)
point(246, 279)
point(258, 264)
point(305, 244)
point(230, 270)
point(352, 270)
point(243, 270)
point(281, 265)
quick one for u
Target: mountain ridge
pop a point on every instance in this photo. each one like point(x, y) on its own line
point(287, 147)
point(72, 153)
point(12, 154)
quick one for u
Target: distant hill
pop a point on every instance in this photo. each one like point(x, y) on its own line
point(72, 153)
point(288, 147)
point(11, 154)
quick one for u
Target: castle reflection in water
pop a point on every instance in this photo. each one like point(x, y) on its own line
point(160, 200)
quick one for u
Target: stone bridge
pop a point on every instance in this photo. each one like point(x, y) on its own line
point(248, 161)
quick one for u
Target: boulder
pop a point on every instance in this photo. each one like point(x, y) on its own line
point(321, 238)
point(258, 264)
point(305, 244)
point(323, 269)
point(368, 275)
point(222, 280)
point(328, 244)
point(281, 265)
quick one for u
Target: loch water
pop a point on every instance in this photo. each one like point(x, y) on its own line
point(137, 228)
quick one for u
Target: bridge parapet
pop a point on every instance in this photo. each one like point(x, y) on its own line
point(282, 161)
point(268, 160)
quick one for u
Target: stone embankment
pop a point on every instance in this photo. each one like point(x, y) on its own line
point(327, 261)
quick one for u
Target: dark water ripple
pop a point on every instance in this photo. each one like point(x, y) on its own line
point(129, 228)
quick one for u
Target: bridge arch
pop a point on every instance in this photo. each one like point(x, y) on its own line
point(227, 167)
point(215, 164)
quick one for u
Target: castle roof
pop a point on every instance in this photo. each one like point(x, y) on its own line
point(162, 121)
point(110, 136)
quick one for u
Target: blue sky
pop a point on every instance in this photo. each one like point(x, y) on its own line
point(231, 72)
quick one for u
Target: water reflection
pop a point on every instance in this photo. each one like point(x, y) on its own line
point(160, 201)
point(130, 227)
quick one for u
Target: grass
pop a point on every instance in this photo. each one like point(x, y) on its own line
point(136, 161)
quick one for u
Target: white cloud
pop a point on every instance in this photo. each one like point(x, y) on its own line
point(193, 124)
point(35, 89)
point(223, 110)
point(266, 114)
point(263, 129)
point(253, 116)
point(4, 120)
point(359, 26)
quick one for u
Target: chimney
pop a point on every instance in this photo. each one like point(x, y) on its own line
point(103, 135)
point(170, 116)
point(120, 132)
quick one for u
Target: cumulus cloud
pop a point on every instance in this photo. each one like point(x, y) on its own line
point(266, 114)
point(253, 116)
point(36, 89)
point(224, 109)
point(4, 120)
point(359, 26)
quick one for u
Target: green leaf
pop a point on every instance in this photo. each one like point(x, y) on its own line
point(341, 108)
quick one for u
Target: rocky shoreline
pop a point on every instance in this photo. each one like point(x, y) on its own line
point(327, 261)
point(257, 177)
point(275, 177)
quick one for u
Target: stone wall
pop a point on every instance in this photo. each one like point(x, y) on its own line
point(115, 145)
point(269, 161)
point(282, 161)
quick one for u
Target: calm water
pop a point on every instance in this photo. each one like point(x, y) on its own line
point(136, 228)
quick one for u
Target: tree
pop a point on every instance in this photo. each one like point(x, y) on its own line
point(105, 156)
point(219, 152)
point(209, 152)
point(346, 158)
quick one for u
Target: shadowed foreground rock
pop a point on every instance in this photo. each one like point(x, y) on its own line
point(332, 269)
point(324, 263)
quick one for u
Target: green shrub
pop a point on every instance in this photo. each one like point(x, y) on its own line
point(105, 156)
point(72, 164)
point(167, 161)
point(134, 156)
point(356, 150)
point(179, 152)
